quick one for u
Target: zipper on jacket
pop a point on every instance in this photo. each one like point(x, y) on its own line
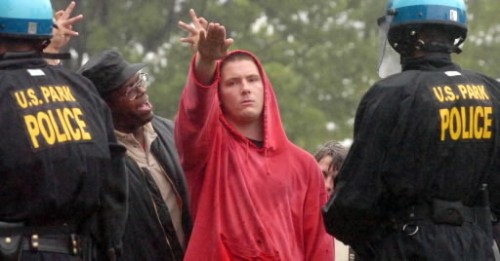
point(162, 229)
point(158, 217)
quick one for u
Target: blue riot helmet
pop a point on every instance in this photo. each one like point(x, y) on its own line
point(405, 19)
point(31, 19)
point(411, 16)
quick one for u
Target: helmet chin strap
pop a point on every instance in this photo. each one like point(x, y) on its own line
point(437, 47)
point(57, 56)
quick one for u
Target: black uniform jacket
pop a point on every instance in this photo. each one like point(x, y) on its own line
point(59, 158)
point(429, 132)
point(149, 233)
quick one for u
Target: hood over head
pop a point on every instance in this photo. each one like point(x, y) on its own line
point(274, 133)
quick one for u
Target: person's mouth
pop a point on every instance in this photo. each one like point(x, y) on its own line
point(144, 104)
point(247, 102)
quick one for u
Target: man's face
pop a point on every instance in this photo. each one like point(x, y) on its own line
point(241, 92)
point(329, 172)
point(130, 104)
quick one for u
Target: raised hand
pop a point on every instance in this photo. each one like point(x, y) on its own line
point(209, 39)
point(209, 42)
point(63, 29)
point(212, 44)
point(198, 24)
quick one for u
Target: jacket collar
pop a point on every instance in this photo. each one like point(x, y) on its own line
point(21, 60)
point(430, 62)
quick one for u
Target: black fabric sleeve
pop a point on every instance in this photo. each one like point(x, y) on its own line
point(352, 214)
point(114, 209)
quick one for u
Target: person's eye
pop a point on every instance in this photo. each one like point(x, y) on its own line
point(136, 85)
point(230, 83)
point(253, 79)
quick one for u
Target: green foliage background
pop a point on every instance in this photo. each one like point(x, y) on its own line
point(321, 55)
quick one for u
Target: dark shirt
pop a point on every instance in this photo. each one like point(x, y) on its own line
point(59, 159)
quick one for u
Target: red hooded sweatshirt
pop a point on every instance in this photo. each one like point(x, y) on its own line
point(248, 203)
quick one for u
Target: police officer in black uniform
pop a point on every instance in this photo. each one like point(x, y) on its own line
point(61, 169)
point(426, 147)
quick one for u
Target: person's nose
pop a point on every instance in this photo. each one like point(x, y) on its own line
point(329, 185)
point(141, 89)
point(138, 91)
point(245, 87)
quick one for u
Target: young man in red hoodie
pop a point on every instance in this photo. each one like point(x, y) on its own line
point(255, 195)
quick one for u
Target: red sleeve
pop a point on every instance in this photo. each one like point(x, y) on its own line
point(319, 245)
point(196, 120)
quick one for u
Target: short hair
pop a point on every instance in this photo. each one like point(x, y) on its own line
point(236, 56)
point(333, 149)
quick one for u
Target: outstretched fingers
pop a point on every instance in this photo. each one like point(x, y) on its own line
point(217, 35)
point(227, 43)
point(195, 20)
point(196, 29)
point(214, 45)
point(203, 23)
point(208, 39)
point(65, 22)
point(63, 28)
point(190, 29)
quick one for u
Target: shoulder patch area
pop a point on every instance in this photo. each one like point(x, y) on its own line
point(35, 72)
point(452, 73)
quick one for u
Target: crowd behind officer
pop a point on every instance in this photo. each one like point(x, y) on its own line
point(63, 182)
point(330, 157)
point(415, 183)
point(158, 223)
point(255, 195)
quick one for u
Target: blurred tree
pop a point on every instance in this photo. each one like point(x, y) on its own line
point(482, 44)
point(321, 55)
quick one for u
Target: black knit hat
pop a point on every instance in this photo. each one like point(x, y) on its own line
point(108, 70)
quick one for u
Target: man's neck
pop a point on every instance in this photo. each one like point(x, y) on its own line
point(139, 136)
point(253, 130)
point(137, 132)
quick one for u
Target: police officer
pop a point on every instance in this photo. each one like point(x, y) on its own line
point(426, 148)
point(61, 168)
